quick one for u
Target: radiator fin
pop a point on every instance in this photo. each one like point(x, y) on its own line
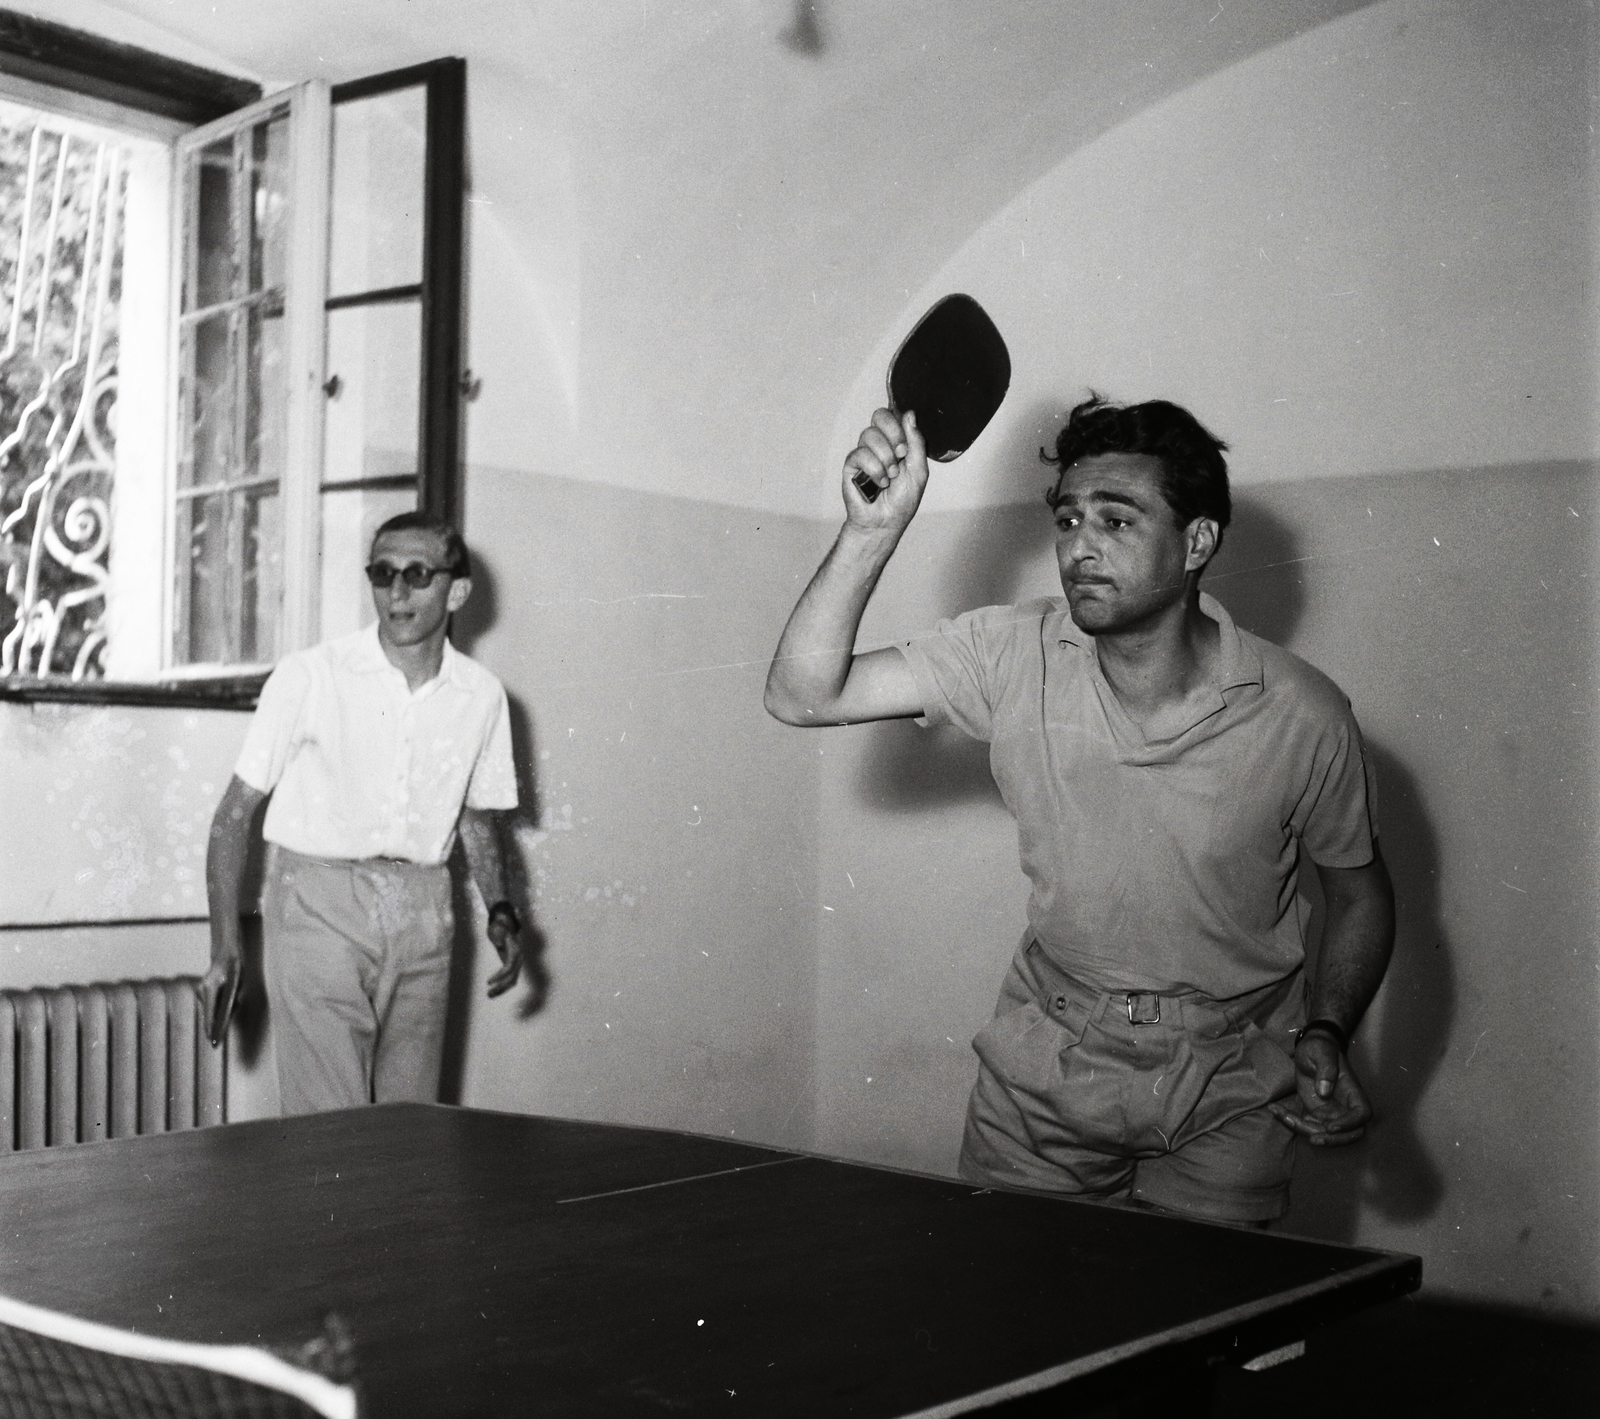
point(82, 1063)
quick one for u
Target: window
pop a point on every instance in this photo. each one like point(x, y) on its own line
point(227, 352)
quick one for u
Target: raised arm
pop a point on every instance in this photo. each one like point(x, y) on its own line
point(481, 840)
point(816, 678)
point(1357, 939)
point(227, 853)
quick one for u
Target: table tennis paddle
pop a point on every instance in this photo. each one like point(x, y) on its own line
point(953, 369)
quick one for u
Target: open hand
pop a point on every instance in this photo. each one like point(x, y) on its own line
point(1331, 1108)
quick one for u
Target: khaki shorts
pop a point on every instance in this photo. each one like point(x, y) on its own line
point(1073, 1096)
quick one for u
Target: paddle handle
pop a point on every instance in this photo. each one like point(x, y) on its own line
point(866, 487)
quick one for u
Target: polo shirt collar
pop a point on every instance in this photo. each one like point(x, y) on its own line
point(1238, 662)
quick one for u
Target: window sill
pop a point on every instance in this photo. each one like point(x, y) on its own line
point(237, 692)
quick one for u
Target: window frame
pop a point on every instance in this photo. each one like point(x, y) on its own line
point(105, 72)
point(305, 107)
point(120, 74)
point(440, 290)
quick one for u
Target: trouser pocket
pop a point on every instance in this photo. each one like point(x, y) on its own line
point(1030, 1047)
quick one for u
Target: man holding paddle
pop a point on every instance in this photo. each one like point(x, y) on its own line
point(376, 750)
point(1169, 774)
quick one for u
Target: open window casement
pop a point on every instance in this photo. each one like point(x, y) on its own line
point(251, 277)
point(313, 372)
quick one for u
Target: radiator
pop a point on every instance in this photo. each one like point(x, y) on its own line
point(80, 1063)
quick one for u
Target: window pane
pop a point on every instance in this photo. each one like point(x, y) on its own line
point(260, 512)
point(209, 396)
point(349, 518)
point(216, 251)
point(230, 596)
point(375, 352)
point(266, 424)
point(202, 624)
point(378, 152)
point(269, 238)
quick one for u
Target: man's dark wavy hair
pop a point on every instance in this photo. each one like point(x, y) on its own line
point(456, 560)
point(1194, 474)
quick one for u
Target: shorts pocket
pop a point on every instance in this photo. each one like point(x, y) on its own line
point(1023, 1046)
point(1244, 1071)
point(1272, 1066)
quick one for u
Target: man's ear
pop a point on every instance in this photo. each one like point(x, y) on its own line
point(460, 590)
point(1200, 539)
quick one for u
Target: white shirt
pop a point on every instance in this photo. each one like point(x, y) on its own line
point(360, 766)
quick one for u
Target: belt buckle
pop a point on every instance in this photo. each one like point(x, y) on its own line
point(1144, 1007)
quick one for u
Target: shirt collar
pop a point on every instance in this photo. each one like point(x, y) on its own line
point(1238, 662)
point(363, 653)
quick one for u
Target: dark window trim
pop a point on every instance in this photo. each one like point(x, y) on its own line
point(384, 483)
point(85, 63)
point(443, 243)
point(389, 295)
point(234, 692)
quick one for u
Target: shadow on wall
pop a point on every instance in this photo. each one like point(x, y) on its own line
point(1402, 1046)
point(1257, 573)
point(1258, 576)
point(249, 1035)
point(467, 975)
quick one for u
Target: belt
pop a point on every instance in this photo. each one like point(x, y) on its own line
point(1177, 1009)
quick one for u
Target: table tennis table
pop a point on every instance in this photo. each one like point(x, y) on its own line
point(492, 1264)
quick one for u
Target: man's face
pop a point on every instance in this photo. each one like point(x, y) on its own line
point(409, 615)
point(1122, 555)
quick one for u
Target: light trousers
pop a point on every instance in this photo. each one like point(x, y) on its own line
point(357, 963)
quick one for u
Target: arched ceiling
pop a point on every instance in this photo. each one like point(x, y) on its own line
point(698, 216)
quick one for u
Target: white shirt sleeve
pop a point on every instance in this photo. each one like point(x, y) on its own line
point(270, 739)
point(494, 776)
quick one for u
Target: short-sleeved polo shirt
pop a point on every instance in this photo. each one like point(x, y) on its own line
point(1167, 865)
point(361, 766)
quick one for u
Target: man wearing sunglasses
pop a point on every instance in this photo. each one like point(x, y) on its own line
point(375, 749)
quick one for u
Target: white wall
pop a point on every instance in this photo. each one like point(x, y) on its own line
point(1365, 258)
point(1356, 237)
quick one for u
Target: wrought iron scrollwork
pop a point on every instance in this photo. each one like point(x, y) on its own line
point(58, 382)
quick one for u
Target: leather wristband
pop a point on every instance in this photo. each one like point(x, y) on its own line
point(1327, 1027)
point(505, 913)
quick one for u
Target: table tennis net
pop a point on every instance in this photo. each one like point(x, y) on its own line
point(56, 1366)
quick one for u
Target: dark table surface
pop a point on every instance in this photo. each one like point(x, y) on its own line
point(502, 1264)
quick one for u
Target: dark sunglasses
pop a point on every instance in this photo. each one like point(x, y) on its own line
point(416, 576)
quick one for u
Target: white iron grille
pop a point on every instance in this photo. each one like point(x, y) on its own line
point(61, 198)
